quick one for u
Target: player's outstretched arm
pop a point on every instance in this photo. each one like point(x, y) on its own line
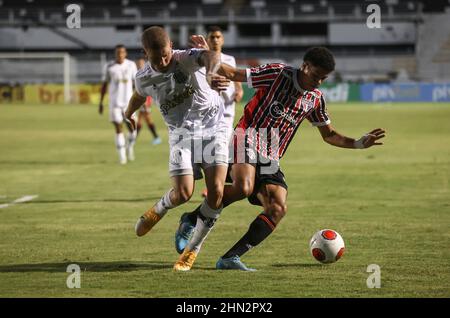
point(232, 73)
point(211, 61)
point(135, 102)
point(334, 138)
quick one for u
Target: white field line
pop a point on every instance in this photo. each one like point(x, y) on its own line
point(25, 198)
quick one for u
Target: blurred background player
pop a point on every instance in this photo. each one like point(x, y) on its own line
point(145, 112)
point(234, 93)
point(120, 75)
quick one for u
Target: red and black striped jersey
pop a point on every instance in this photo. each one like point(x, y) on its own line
point(273, 115)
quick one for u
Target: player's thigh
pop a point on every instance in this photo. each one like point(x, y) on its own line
point(116, 115)
point(215, 177)
point(148, 118)
point(243, 175)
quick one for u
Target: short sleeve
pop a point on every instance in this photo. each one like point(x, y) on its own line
point(188, 58)
point(138, 87)
point(263, 75)
point(133, 71)
point(319, 116)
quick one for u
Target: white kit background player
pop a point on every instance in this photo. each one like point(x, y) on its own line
point(179, 82)
point(120, 75)
point(234, 93)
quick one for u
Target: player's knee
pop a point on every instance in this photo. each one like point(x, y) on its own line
point(215, 195)
point(246, 187)
point(183, 195)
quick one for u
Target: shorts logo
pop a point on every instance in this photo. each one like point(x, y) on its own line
point(176, 157)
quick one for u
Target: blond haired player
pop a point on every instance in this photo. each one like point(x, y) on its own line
point(180, 83)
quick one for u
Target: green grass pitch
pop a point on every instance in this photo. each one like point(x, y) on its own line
point(391, 204)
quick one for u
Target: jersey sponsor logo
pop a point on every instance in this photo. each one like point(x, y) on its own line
point(177, 99)
point(277, 110)
point(180, 77)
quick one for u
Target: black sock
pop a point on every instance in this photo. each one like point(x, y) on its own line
point(258, 231)
point(138, 129)
point(153, 130)
point(192, 216)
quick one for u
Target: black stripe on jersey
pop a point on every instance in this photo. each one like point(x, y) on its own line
point(289, 134)
point(323, 109)
point(314, 116)
point(285, 92)
point(276, 90)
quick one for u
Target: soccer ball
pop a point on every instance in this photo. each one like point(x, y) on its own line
point(327, 246)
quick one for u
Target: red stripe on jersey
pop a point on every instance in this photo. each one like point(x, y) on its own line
point(264, 77)
point(280, 109)
point(250, 108)
point(261, 110)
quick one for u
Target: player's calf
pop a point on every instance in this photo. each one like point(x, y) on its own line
point(276, 211)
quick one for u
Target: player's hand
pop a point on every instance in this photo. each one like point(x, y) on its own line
point(370, 139)
point(198, 42)
point(100, 108)
point(217, 82)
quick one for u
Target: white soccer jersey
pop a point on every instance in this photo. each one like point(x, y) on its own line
point(228, 95)
point(184, 97)
point(120, 78)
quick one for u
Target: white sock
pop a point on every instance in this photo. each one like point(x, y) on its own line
point(120, 145)
point(132, 138)
point(164, 204)
point(203, 227)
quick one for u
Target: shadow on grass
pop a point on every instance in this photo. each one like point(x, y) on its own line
point(282, 265)
point(51, 163)
point(117, 266)
point(94, 200)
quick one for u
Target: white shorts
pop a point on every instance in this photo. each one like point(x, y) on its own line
point(116, 114)
point(188, 154)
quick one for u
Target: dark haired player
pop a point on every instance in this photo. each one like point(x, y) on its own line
point(284, 97)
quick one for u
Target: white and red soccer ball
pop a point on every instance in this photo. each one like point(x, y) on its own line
point(327, 246)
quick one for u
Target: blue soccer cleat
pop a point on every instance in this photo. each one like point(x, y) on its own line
point(183, 233)
point(233, 263)
point(156, 141)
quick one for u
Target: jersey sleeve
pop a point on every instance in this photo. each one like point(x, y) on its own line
point(105, 73)
point(189, 58)
point(263, 75)
point(138, 87)
point(133, 71)
point(319, 116)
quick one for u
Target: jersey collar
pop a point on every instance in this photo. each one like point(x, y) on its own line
point(296, 83)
